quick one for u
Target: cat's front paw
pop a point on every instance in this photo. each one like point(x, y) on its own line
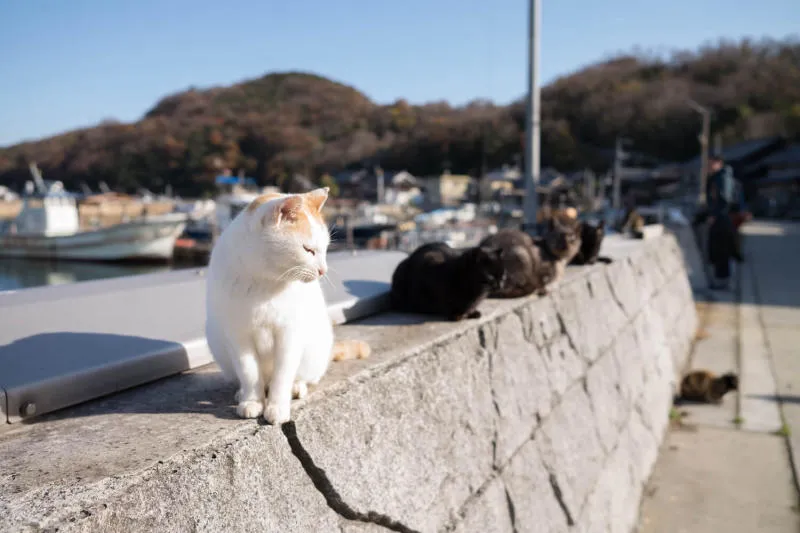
point(249, 409)
point(276, 414)
point(299, 390)
point(474, 314)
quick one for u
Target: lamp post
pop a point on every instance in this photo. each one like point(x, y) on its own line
point(532, 115)
point(704, 135)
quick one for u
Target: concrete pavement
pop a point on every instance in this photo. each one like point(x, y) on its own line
point(733, 467)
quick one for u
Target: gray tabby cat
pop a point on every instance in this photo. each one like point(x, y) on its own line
point(533, 263)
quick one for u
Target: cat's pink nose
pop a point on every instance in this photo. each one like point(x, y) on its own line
point(321, 271)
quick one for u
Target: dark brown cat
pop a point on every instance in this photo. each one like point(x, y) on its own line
point(703, 386)
point(436, 279)
point(591, 240)
point(534, 263)
point(633, 223)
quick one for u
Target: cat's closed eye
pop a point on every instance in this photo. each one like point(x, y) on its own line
point(309, 250)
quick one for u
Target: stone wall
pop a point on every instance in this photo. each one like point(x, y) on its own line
point(545, 415)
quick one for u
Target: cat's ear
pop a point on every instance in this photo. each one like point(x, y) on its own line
point(287, 210)
point(317, 198)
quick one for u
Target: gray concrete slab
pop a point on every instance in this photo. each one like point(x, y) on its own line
point(773, 251)
point(713, 480)
point(757, 387)
point(715, 350)
point(63, 345)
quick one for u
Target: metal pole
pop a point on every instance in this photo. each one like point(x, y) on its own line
point(617, 191)
point(532, 115)
point(701, 197)
point(717, 144)
point(704, 138)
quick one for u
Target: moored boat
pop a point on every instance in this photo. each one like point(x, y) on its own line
point(48, 227)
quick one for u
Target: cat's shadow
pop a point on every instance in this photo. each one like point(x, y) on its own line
point(363, 288)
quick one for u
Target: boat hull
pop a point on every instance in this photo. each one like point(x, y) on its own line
point(152, 239)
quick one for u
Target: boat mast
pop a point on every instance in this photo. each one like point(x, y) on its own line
point(37, 178)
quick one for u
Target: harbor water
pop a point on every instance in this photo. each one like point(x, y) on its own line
point(18, 274)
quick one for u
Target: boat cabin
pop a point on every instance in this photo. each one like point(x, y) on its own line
point(50, 213)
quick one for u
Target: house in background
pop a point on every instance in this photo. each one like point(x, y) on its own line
point(743, 157)
point(446, 189)
point(395, 187)
point(500, 179)
point(403, 189)
point(773, 183)
point(355, 184)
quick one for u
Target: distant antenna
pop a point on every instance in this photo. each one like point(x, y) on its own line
point(37, 178)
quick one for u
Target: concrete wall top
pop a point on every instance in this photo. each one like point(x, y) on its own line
point(523, 420)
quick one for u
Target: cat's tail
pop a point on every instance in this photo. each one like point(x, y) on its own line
point(350, 349)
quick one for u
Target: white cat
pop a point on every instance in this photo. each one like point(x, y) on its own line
point(267, 323)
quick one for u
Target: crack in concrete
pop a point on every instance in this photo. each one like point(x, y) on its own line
point(524, 315)
point(560, 499)
point(334, 500)
point(495, 404)
point(512, 513)
point(564, 331)
point(614, 295)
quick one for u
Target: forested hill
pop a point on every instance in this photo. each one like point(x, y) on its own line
point(297, 122)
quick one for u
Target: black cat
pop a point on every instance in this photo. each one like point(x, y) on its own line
point(534, 263)
point(591, 239)
point(436, 279)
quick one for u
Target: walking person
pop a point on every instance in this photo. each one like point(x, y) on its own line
point(720, 189)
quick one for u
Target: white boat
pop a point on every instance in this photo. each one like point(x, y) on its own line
point(48, 227)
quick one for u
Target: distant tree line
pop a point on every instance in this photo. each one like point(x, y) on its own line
point(281, 124)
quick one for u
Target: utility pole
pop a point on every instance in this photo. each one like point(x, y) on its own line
point(380, 183)
point(704, 135)
point(589, 188)
point(532, 115)
point(717, 144)
point(619, 157)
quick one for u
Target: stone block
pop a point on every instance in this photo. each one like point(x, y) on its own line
point(520, 385)
point(419, 437)
point(630, 361)
point(642, 446)
point(534, 495)
point(623, 282)
point(609, 405)
point(492, 510)
point(625, 490)
point(255, 484)
point(570, 447)
point(564, 365)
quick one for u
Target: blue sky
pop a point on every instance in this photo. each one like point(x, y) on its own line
point(72, 63)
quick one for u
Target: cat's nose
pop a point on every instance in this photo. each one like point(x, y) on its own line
point(321, 271)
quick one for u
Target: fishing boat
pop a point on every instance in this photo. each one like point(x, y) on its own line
point(48, 227)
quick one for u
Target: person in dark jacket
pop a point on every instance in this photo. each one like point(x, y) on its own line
point(720, 190)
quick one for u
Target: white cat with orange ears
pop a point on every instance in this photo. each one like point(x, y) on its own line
point(267, 323)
